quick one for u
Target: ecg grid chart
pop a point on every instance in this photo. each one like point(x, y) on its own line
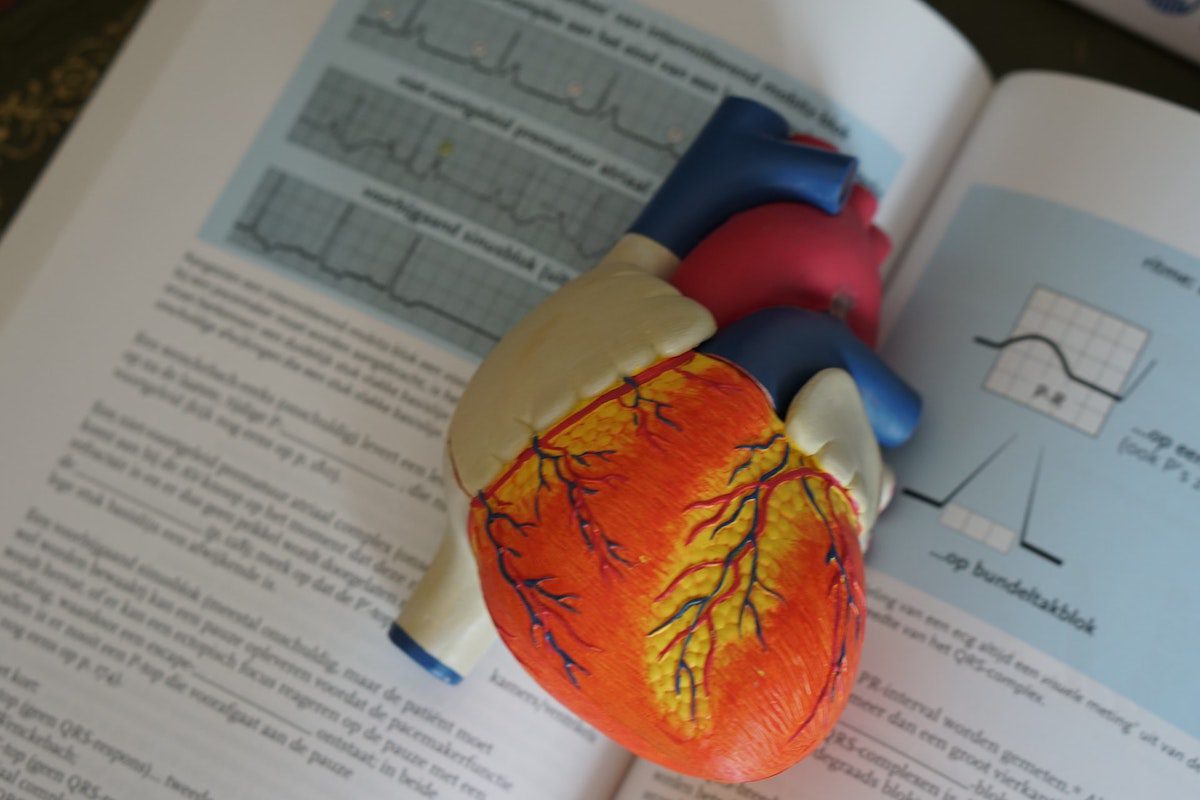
point(1067, 360)
point(577, 89)
point(446, 161)
point(383, 263)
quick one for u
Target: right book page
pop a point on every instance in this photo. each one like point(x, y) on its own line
point(1031, 590)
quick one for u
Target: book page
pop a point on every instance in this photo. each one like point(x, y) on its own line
point(239, 339)
point(218, 486)
point(1031, 590)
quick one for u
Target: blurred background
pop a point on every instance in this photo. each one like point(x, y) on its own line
point(53, 53)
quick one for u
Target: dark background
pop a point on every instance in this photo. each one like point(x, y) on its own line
point(53, 52)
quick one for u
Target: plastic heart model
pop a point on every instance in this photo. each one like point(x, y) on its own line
point(667, 471)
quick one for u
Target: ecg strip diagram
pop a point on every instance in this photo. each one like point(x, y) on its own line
point(381, 263)
point(1067, 360)
point(444, 160)
point(995, 535)
point(575, 88)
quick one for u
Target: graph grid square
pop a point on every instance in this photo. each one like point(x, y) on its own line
point(978, 527)
point(1066, 359)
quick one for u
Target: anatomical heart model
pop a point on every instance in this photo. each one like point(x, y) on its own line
point(666, 472)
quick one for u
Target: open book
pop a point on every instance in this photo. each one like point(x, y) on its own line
point(238, 310)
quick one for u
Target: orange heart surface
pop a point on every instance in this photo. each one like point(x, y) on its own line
point(671, 568)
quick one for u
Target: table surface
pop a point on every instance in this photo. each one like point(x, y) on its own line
point(53, 52)
point(1055, 35)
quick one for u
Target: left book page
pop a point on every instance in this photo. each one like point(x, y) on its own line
point(240, 333)
point(218, 485)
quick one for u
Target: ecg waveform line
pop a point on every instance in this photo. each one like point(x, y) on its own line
point(943, 503)
point(1028, 515)
point(278, 222)
point(493, 195)
point(603, 109)
point(1068, 373)
point(964, 483)
point(320, 260)
point(607, 107)
point(557, 211)
point(387, 287)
